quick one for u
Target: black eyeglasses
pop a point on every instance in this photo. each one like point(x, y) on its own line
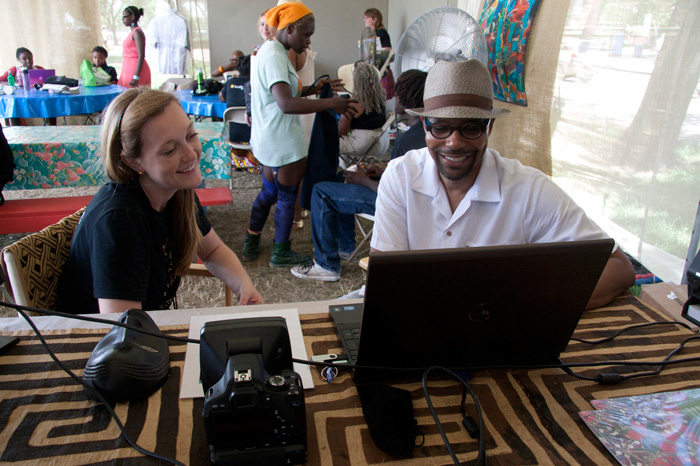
point(471, 131)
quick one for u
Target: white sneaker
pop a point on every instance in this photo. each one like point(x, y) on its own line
point(312, 271)
point(344, 256)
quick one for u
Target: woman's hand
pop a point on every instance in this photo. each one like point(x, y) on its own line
point(344, 106)
point(134, 83)
point(336, 84)
point(248, 294)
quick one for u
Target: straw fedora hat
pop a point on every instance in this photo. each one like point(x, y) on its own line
point(458, 90)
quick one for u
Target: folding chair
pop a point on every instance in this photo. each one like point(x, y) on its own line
point(366, 235)
point(240, 151)
point(348, 160)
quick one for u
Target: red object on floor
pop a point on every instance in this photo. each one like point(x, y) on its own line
point(29, 215)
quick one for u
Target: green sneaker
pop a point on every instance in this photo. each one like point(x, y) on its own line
point(283, 256)
point(251, 247)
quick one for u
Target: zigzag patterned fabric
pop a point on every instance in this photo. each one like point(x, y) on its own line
point(531, 415)
point(40, 258)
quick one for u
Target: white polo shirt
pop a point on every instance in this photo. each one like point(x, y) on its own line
point(508, 204)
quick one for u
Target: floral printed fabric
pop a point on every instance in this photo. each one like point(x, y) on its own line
point(68, 156)
point(506, 25)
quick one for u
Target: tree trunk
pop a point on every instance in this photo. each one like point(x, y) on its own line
point(652, 136)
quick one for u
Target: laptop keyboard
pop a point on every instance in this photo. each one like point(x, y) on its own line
point(351, 338)
point(347, 320)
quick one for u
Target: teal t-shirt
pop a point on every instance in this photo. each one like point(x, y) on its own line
point(277, 139)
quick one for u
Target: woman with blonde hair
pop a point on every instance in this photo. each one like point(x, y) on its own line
point(358, 133)
point(144, 228)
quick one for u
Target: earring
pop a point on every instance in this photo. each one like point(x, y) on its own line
point(140, 173)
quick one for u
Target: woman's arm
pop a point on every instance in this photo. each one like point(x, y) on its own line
point(289, 104)
point(140, 40)
point(344, 122)
point(220, 260)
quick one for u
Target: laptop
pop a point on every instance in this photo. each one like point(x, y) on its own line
point(39, 76)
point(469, 307)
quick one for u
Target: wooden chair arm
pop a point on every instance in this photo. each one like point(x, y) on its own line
point(199, 270)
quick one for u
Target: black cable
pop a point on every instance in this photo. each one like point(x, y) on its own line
point(93, 392)
point(97, 320)
point(481, 457)
point(604, 378)
point(630, 327)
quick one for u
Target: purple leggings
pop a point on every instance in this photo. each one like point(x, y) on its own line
point(286, 197)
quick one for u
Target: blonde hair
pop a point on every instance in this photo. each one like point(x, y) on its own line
point(367, 86)
point(121, 139)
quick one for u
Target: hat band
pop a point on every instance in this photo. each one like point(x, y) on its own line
point(458, 100)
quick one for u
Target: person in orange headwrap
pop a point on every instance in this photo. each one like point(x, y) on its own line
point(277, 136)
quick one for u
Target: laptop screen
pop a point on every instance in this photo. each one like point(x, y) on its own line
point(475, 306)
point(39, 76)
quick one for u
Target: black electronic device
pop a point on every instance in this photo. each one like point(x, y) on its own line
point(691, 308)
point(127, 364)
point(254, 411)
point(492, 305)
point(7, 342)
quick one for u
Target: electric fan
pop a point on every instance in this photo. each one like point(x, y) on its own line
point(447, 34)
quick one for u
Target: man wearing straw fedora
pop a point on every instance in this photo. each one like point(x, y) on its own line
point(456, 192)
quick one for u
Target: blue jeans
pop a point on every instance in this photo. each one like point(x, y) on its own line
point(333, 206)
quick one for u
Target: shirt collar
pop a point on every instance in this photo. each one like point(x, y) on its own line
point(486, 186)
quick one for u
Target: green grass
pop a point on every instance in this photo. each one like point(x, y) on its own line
point(666, 198)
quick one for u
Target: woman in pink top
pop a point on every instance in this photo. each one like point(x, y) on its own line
point(135, 70)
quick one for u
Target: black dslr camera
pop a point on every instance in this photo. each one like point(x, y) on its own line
point(254, 410)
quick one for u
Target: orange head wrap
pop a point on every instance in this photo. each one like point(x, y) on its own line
point(285, 14)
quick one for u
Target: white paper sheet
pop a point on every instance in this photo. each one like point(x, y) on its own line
point(190, 386)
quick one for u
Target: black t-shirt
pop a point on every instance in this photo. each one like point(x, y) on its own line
point(412, 138)
point(234, 91)
point(7, 161)
point(373, 120)
point(120, 251)
point(383, 37)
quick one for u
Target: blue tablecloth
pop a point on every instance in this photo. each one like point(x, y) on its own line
point(204, 106)
point(41, 104)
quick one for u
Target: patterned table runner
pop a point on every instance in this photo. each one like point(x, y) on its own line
point(531, 416)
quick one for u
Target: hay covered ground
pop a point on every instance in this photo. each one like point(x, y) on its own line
point(231, 223)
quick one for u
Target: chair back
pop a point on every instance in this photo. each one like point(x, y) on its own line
point(235, 115)
point(33, 264)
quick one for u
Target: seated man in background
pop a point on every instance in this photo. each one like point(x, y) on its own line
point(230, 66)
point(458, 193)
point(333, 204)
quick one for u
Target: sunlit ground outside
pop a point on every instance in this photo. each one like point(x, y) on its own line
point(650, 212)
